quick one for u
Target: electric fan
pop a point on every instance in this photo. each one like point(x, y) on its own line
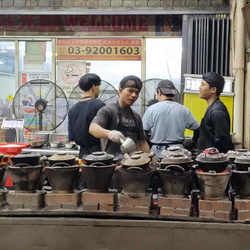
point(108, 94)
point(148, 95)
point(42, 104)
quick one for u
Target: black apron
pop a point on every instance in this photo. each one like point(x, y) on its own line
point(127, 131)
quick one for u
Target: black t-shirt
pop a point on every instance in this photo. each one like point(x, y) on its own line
point(215, 128)
point(107, 117)
point(79, 119)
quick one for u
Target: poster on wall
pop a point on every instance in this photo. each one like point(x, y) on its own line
point(69, 74)
point(28, 76)
point(101, 49)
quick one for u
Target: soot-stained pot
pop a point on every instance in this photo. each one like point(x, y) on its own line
point(136, 160)
point(242, 162)
point(62, 177)
point(27, 157)
point(97, 176)
point(98, 156)
point(178, 157)
point(211, 160)
point(241, 183)
point(135, 180)
point(175, 181)
point(25, 178)
point(62, 158)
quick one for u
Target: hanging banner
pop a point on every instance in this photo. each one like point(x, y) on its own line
point(108, 49)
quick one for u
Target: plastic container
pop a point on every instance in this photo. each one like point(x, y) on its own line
point(11, 149)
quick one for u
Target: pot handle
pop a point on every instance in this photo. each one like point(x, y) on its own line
point(175, 166)
point(121, 140)
point(61, 163)
point(22, 165)
point(97, 164)
point(138, 168)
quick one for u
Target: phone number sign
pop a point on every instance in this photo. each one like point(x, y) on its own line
point(99, 49)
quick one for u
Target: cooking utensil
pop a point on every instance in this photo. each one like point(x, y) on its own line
point(25, 177)
point(62, 157)
point(135, 180)
point(213, 185)
point(62, 178)
point(36, 143)
point(98, 156)
point(26, 157)
point(136, 160)
point(97, 176)
point(128, 146)
point(174, 181)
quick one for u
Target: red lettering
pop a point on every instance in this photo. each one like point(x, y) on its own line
point(116, 23)
point(49, 23)
point(129, 23)
point(84, 23)
point(143, 23)
point(27, 21)
point(105, 23)
point(95, 24)
point(71, 23)
point(2, 22)
point(10, 23)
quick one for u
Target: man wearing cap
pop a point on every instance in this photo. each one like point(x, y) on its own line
point(215, 125)
point(167, 120)
point(82, 113)
point(117, 120)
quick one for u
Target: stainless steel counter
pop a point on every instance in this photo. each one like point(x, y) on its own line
point(52, 151)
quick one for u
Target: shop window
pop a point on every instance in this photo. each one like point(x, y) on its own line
point(7, 77)
point(163, 59)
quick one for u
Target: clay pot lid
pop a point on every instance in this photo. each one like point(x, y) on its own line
point(61, 157)
point(98, 156)
point(235, 153)
point(177, 157)
point(136, 160)
point(243, 158)
point(27, 154)
point(175, 150)
point(212, 155)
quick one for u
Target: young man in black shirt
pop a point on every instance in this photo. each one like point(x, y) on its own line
point(82, 113)
point(117, 120)
point(215, 125)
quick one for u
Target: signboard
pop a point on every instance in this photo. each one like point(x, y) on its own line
point(99, 49)
point(69, 74)
point(28, 76)
point(12, 123)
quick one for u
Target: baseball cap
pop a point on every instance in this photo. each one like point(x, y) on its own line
point(166, 87)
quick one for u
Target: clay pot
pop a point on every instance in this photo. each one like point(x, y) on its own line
point(174, 181)
point(135, 180)
point(63, 179)
point(97, 176)
point(25, 177)
point(62, 158)
point(99, 156)
point(136, 160)
point(27, 157)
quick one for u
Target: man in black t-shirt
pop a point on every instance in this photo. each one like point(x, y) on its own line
point(117, 120)
point(215, 125)
point(82, 113)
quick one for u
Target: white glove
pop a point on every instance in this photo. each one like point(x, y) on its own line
point(116, 136)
